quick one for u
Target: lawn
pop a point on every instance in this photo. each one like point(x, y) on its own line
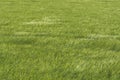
point(59, 39)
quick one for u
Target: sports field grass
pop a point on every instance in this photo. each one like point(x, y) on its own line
point(59, 39)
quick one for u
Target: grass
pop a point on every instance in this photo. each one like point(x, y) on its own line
point(59, 40)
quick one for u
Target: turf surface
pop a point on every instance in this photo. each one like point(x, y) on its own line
point(59, 40)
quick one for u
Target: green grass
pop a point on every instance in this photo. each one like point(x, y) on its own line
point(59, 40)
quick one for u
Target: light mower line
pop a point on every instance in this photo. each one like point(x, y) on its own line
point(88, 37)
point(103, 36)
point(43, 21)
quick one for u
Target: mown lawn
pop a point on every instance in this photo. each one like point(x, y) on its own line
point(59, 40)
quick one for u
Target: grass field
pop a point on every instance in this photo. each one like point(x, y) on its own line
point(59, 39)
